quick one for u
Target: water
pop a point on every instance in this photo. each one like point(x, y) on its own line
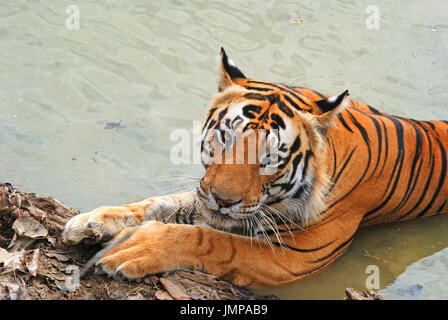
point(151, 66)
point(423, 280)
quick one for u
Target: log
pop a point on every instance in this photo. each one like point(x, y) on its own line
point(354, 294)
point(37, 265)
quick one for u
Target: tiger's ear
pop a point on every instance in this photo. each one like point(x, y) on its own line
point(330, 108)
point(228, 72)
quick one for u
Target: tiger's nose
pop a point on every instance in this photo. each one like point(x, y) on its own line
point(223, 203)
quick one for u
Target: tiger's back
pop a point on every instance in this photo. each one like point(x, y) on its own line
point(397, 167)
point(392, 168)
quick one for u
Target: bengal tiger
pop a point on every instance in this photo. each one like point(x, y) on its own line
point(341, 165)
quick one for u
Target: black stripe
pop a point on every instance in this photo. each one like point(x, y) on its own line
point(190, 217)
point(342, 169)
point(386, 146)
point(256, 96)
point(425, 189)
point(366, 140)
point(339, 247)
point(250, 110)
point(413, 177)
point(431, 164)
point(341, 118)
point(374, 111)
point(258, 89)
point(302, 250)
point(412, 188)
point(300, 190)
point(212, 123)
point(441, 179)
point(222, 114)
point(308, 154)
point(361, 129)
point(279, 120)
point(433, 127)
point(292, 103)
point(379, 140)
point(283, 88)
point(296, 145)
point(295, 164)
point(398, 162)
point(441, 207)
point(210, 114)
point(283, 107)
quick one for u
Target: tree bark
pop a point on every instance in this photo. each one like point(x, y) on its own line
point(33, 267)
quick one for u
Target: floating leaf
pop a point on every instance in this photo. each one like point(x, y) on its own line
point(294, 20)
point(113, 125)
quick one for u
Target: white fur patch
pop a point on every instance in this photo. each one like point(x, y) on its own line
point(332, 99)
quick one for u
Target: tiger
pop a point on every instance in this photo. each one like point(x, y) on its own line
point(340, 165)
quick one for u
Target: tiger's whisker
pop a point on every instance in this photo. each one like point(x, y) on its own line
point(280, 216)
point(287, 218)
point(274, 228)
point(268, 239)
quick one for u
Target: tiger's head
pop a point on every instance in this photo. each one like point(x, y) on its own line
point(263, 146)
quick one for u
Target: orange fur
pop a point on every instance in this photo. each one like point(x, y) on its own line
point(359, 167)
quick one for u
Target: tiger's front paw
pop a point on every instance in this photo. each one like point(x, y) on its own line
point(98, 225)
point(147, 251)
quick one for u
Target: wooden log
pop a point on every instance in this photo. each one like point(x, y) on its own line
point(53, 270)
point(354, 294)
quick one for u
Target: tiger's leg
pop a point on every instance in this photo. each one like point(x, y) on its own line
point(104, 223)
point(157, 247)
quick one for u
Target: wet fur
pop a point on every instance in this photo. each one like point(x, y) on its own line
point(359, 166)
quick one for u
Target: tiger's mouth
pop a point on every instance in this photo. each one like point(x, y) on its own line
point(233, 215)
point(235, 212)
point(236, 215)
point(244, 215)
point(235, 222)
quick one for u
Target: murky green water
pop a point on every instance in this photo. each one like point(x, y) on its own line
point(151, 66)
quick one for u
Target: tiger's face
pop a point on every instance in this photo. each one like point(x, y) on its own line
point(262, 152)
